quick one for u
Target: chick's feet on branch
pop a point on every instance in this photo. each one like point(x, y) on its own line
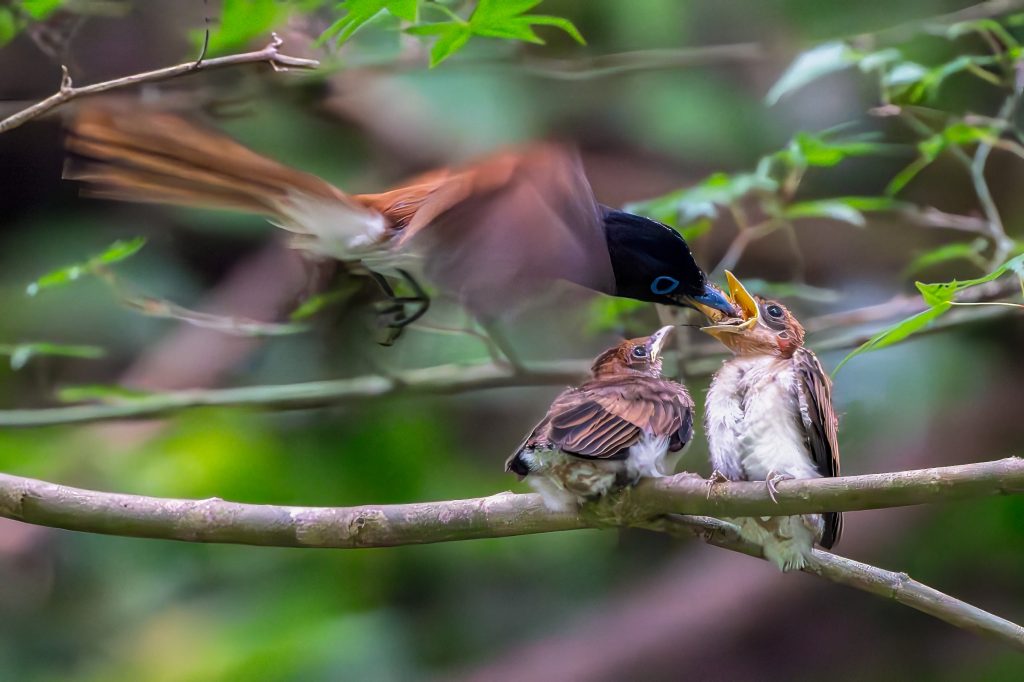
point(773, 478)
point(715, 478)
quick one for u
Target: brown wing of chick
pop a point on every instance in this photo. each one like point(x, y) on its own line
point(498, 231)
point(602, 420)
point(820, 426)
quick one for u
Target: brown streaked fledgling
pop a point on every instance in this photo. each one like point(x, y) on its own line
point(491, 233)
point(769, 417)
point(625, 423)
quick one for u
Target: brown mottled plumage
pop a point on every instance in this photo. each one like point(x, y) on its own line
point(623, 424)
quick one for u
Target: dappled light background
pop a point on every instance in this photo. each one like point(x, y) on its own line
point(582, 605)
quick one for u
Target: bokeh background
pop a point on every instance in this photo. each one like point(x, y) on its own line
point(586, 605)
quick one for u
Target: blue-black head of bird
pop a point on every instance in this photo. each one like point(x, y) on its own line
point(652, 262)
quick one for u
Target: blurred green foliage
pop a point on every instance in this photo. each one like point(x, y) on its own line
point(98, 608)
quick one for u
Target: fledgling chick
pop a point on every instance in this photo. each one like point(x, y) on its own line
point(624, 424)
point(769, 417)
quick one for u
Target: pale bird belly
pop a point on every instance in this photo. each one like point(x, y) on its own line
point(771, 442)
point(754, 420)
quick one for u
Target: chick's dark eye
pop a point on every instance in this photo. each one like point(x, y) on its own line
point(774, 311)
point(639, 352)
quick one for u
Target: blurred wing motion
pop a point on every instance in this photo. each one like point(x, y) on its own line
point(491, 233)
point(604, 421)
point(147, 156)
point(820, 425)
point(498, 232)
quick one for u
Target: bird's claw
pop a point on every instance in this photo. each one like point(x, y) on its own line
point(771, 480)
point(715, 478)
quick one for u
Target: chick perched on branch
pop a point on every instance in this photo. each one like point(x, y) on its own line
point(769, 417)
point(624, 424)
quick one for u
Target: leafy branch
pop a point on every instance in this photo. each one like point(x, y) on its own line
point(654, 504)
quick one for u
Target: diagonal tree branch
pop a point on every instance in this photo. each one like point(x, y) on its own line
point(67, 92)
point(507, 514)
point(899, 587)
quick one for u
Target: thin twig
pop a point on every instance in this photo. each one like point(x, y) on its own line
point(452, 379)
point(603, 66)
point(442, 379)
point(508, 514)
point(269, 54)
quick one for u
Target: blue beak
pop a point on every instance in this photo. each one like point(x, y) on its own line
point(716, 300)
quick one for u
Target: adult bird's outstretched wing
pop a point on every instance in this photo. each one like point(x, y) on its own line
point(493, 232)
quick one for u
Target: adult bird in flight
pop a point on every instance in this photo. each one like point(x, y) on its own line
point(492, 233)
point(623, 424)
point(769, 417)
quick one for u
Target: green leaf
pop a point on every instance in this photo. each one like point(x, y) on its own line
point(896, 333)
point(944, 292)
point(928, 86)
point(703, 199)
point(241, 21)
point(903, 178)
point(451, 40)
point(21, 353)
point(945, 254)
point(904, 75)
point(8, 26)
point(558, 22)
point(359, 12)
point(982, 26)
point(811, 65)
point(507, 19)
point(40, 9)
point(874, 203)
point(878, 60)
point(826, 208)
point(100, 393)
point(116, 252)
point(808, 149)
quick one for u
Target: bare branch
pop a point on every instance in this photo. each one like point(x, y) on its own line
point(505, 514)
point(67, 92)
point(603, 66)
point(508, 514)
point(899, 587)
point(442, 379)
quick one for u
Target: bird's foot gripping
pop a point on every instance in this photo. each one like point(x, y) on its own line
point(393, 316)
point(772, 480)
point(714, 479)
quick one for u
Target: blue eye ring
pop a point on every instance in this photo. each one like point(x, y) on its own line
point(664, 285)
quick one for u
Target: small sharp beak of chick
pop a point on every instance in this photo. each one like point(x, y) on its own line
point(656, 341)
point(749, 312)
